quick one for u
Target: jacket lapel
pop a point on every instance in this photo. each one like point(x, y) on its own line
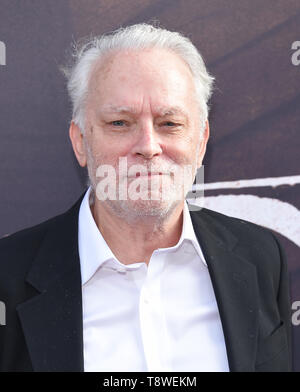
point(52, 320)
point(235, 284)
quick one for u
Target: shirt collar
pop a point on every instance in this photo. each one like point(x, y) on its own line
point(188, 233)
point(94, 251)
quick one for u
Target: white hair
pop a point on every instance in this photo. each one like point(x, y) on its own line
point(138, 37)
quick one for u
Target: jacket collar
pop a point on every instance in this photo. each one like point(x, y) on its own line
point(52, 320)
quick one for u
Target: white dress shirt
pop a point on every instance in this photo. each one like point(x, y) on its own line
point(160, 317)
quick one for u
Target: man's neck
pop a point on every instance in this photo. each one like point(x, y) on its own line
point(135, 242)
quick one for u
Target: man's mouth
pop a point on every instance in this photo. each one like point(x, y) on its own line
point(149, 174)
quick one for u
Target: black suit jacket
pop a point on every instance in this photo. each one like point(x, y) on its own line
point(40, 284)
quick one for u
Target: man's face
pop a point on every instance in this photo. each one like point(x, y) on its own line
point(142, 106)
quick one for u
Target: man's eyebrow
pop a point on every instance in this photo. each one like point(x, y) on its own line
point(118, 109)
point(169, 111)
point(161, 111)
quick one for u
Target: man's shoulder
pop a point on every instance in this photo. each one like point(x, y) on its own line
point(237, 226)
point(33, 235)
point(27, 235)
point(19, 248)
point(256, 243)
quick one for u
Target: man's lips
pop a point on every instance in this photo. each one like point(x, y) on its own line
point(148, 174)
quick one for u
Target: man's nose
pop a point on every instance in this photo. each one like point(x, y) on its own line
point(148, 142)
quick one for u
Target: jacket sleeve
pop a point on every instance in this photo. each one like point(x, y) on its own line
point(284, 300)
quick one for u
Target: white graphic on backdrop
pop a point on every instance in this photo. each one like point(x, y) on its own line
point(272, 213)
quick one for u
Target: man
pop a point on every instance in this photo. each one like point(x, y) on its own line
point(129, 279)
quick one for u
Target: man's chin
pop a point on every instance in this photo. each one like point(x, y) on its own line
point(137, 209)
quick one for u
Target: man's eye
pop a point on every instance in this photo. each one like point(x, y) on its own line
point(170, 124)
point(118, 123)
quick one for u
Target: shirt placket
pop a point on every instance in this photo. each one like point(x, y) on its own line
point(152, 317)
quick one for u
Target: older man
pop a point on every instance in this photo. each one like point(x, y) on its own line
point(129, 279)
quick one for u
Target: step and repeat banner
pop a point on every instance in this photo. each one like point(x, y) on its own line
point(252, 164)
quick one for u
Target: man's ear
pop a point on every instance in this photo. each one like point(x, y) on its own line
point(77, 143)
point(203, 144)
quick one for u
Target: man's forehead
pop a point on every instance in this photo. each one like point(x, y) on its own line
point(159, 110)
